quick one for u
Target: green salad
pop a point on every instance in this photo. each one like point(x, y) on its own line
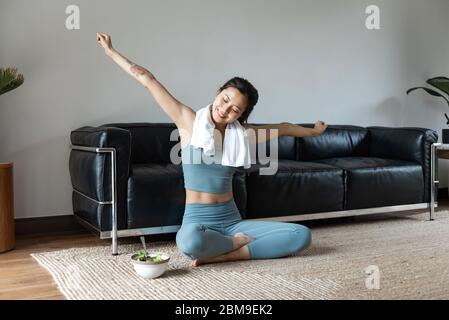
point(141, 256)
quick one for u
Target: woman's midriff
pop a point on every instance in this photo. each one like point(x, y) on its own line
point(193, 196)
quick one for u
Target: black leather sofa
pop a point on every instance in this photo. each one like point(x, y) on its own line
point(124, 183)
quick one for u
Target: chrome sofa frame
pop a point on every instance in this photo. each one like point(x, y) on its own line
point(114, 234)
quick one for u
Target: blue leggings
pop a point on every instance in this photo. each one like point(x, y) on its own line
point(207, 231)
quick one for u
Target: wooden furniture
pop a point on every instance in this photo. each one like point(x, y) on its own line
point(7, 234)
point(443, 154)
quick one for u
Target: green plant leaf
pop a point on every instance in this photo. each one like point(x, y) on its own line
point(429, 91)
point(441, 83)
point(9, 79)
point(157, 258)
point(141, 256)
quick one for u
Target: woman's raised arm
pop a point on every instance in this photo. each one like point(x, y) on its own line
point(283, 129)
point(179, 113)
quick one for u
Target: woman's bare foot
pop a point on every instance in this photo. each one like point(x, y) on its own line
point(197, 262)
point(240, 239)
point(241, 253)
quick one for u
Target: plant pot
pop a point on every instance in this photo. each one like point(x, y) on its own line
point(445, 135)
point(7, 232)
point(150, 269)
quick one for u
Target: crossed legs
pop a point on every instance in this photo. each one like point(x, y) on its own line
point(240, 251)
point(241, 240)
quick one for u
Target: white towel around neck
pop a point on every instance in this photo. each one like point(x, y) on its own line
point(236, 148)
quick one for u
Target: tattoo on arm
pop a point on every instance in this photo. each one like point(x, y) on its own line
point(135, 69)
point(138, 70)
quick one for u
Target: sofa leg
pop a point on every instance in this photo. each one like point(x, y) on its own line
point(431, 211)
point(114, 202)
point(114, 247)
point(433, 177)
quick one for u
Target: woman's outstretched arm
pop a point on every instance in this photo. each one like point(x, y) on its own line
point(180, 114)
point(295, 130)
point(283, 129)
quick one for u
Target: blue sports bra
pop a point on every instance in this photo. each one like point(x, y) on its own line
point(205, 173)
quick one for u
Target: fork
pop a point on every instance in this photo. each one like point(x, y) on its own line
point(142, 239)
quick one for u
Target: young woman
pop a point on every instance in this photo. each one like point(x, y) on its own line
point(212, 229)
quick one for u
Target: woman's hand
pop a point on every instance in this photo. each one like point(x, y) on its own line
point(320, 127)
point(105, 42)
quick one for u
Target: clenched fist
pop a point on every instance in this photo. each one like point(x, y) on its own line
point(320, 127)
point(104, 41)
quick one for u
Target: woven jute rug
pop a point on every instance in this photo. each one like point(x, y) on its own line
point(390, 257)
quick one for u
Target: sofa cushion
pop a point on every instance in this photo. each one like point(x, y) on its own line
point(336, 141)
point(377, 182)
point(150, 142)
point(156, 195)
point(286, 149)
point(405, 143)
point(297, 187)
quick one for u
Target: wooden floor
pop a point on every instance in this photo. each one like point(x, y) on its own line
point(21, 277)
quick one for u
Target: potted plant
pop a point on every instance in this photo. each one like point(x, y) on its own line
point(150, 265)
point(442, 84)
point(9, 80)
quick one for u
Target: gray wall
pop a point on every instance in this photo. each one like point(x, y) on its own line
point(310, 60)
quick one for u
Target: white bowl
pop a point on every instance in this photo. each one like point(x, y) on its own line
point(149, 269)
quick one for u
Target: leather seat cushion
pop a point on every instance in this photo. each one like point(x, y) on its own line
point(297, 187)
point(376, 182)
